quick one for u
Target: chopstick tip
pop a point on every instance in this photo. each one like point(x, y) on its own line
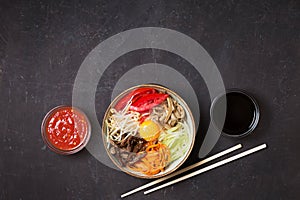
point(147, 192)
point(126, 194)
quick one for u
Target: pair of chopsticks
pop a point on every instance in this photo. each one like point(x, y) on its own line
point(200, 171)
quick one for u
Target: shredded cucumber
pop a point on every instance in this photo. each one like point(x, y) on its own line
point(177, 139)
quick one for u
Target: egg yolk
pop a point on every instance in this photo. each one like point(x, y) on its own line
point(149, 130)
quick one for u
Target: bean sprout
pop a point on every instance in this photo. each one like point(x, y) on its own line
point(122, 124)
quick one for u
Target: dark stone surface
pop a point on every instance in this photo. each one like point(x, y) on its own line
point(255, 44)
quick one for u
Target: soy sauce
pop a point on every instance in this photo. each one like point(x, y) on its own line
point(241, 115)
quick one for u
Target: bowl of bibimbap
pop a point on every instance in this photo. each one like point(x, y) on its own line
point(148, 131)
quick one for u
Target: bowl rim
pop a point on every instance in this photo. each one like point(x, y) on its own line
point(193, 131)
point(82, 144)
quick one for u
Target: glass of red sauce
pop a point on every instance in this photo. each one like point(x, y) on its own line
point(66, 130)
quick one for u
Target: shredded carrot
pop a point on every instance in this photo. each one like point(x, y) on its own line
point(156, 159)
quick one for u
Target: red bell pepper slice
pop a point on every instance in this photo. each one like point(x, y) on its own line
point(133, 96)
point(148, 101)
point(143, 116)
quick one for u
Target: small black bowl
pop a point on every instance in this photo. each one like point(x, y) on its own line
point(235, 113)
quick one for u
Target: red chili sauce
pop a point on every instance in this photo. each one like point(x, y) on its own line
point(66, 128)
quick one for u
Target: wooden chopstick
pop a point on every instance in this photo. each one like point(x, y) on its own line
point(200, 171)
point(183, 170)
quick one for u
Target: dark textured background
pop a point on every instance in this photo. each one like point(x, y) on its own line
point(255, 44)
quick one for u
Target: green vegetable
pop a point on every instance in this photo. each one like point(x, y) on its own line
point(177, 139)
